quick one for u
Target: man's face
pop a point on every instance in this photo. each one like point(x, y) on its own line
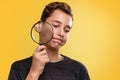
point(62, 24)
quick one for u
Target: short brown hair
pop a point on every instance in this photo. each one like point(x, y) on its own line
point(51, 7)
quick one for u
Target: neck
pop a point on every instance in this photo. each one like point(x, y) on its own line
point(54, 55)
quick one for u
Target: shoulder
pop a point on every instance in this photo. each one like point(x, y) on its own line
point(22, 64)
point(75, 64)
point(73, 61)
point(78, 68)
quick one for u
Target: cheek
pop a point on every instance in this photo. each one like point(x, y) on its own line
point(56, 31)
point(66, 37)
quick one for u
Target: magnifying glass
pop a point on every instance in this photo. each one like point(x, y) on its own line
point(41, 32)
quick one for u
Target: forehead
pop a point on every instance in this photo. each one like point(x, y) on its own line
point(61, 17)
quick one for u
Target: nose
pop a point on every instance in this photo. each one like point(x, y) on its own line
point(61, 32)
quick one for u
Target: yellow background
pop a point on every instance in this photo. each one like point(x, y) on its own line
point(94, 39)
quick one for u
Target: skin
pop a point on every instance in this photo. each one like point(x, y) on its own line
point(49, 52)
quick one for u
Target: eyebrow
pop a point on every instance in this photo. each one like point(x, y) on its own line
point(61, 23)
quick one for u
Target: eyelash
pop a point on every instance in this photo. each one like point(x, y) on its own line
point(55, 25)
point(67, 31)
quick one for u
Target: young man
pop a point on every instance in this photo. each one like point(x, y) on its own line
point(47, 63)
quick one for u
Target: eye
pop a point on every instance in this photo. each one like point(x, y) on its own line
point(67, 30)
point(55, 25)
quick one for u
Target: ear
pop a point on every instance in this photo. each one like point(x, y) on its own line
point(37, 27)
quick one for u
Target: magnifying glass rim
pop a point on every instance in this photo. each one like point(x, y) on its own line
point(32, 34)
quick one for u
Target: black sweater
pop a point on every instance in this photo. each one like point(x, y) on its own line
point(67, 69)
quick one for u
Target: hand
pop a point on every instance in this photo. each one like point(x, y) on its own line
point(39, 59)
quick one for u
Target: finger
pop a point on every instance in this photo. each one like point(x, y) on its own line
point(40, 48)
point(44, 52)
point(45, 58)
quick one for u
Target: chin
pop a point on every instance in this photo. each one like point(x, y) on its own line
point(54, 46)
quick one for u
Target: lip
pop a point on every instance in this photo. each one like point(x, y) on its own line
point(58, 40)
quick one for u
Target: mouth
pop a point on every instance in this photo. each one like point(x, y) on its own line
point(57, 40)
